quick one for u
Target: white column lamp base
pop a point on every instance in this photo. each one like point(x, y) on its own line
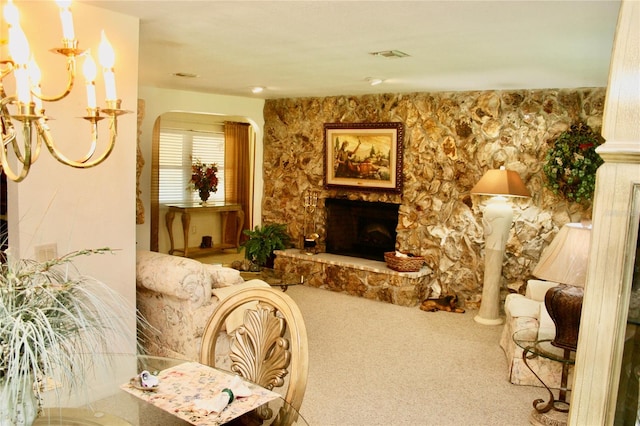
point(497, 220)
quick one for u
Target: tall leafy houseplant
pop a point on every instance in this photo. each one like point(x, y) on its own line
point(51, 320)
point(263, 241)
point(572, 163)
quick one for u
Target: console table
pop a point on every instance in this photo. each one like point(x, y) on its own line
point(231, 227)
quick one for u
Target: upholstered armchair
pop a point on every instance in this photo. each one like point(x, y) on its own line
point(528, 311)
point(564, 261)
point(174, 294)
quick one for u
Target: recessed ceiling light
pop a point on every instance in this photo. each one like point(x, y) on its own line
point(257, 89)
point(185, 75)
point(390, 54)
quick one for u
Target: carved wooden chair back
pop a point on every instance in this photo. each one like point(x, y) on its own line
point(260, 350)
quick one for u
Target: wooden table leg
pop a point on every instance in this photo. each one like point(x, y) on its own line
point(223, 227)
point(239, 225)
point(186, 220)
point(168, 219)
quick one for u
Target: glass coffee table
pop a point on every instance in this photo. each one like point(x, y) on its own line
point(108, 398)
point(274, 277)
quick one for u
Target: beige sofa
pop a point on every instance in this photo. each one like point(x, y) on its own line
point(174, 294)
point(528, 311)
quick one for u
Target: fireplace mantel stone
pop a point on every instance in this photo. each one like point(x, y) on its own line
point(358, 277)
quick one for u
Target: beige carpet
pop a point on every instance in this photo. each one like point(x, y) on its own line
point(374, 363)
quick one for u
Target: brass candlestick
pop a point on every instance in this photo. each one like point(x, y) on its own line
point(309, 236)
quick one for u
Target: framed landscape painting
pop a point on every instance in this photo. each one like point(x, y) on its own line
point(363, 156)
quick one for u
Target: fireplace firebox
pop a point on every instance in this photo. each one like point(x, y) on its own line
point(360, 228)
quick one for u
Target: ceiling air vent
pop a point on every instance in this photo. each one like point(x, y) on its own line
point(390, 54)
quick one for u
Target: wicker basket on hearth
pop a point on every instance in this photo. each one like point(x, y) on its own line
point(403, 264)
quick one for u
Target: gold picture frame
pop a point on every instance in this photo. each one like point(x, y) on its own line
point(363, 156)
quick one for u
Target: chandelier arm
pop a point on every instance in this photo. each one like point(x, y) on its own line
point(26, 162)
point(8, 131)
point(9, 134)
point(33, 154)
point(6, 71)
point(71, 68)
point(83, 163)
point(6, 115)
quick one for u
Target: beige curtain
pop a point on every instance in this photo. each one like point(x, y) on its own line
point(237, 168)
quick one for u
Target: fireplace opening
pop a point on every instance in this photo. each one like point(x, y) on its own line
point(361, 228)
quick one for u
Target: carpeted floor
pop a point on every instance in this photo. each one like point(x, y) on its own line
point(374, 363)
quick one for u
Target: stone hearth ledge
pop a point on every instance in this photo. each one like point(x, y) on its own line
point(356, 276)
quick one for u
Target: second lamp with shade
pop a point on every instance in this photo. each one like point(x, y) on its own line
point(496, 220)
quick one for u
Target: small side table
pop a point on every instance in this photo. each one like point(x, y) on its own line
point(537, 342)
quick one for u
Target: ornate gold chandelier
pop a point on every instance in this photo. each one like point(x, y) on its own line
point(27, 102)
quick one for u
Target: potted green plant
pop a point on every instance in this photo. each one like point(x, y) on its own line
point(51, 317)
point(572, 163)
point(263, 241)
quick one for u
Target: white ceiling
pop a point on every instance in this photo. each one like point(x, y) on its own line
point(322, 48)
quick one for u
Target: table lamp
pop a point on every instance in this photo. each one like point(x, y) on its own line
point(497, 219)
point(564, 261)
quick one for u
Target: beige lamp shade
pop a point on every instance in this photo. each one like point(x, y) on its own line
point(565, 260)
point(501, 182)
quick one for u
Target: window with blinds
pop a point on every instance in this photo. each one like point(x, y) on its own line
point(177, 150)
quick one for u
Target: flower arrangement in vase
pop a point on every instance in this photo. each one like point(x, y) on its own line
point(204, 179)
point(51, 319)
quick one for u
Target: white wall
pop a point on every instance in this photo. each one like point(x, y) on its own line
point(159, 101)
point(81, 208)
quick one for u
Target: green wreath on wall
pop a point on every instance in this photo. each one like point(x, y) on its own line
point(570, 166)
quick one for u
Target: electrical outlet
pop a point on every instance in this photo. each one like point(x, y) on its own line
point(46, 252)
point(193, 229)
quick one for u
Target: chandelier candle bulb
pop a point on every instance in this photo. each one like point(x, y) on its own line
point(19, 51)
point(35, 75)
point(90, 71)
point(11, 14)
point(18, 45)
point(107, 60)
point(66, 19)
point(22, 84)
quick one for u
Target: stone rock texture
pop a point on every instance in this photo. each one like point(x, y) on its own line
point(450, 140)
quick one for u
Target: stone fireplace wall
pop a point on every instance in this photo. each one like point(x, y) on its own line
point(450, 140)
